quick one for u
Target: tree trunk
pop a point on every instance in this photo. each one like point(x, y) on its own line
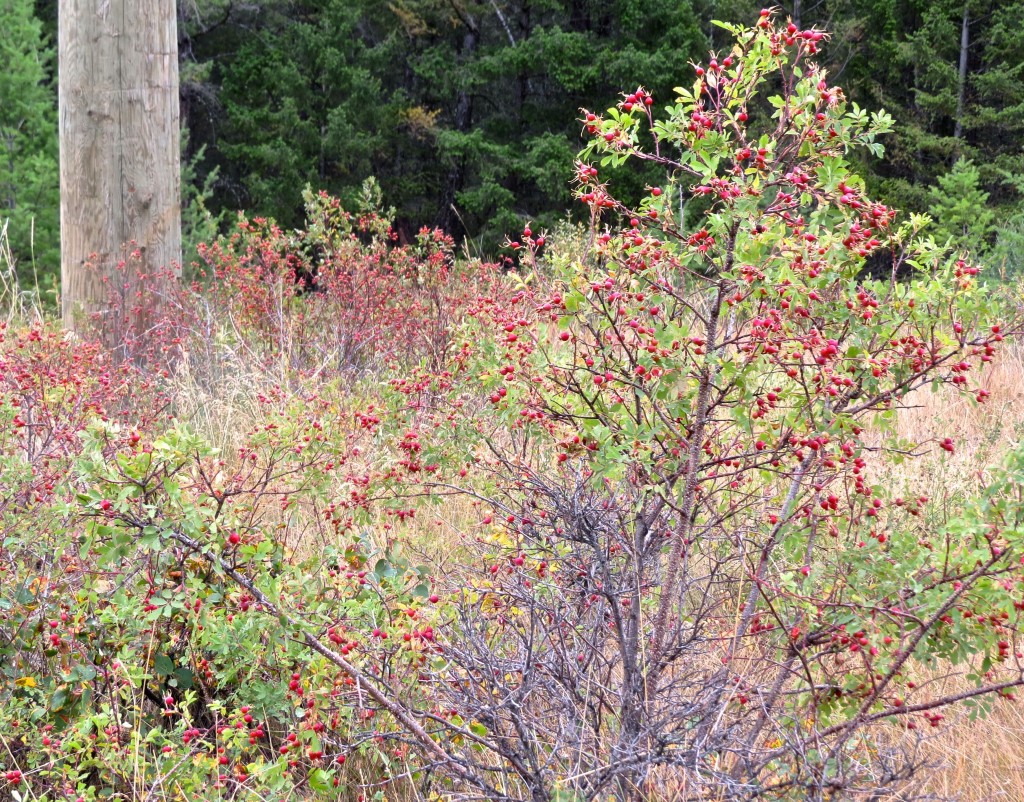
point(120, 176)
point(447, 216)
point(579, 15)
point(961, 87)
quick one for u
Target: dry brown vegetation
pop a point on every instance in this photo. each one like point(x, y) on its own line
point(980, 760)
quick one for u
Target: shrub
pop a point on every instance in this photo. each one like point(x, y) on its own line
point(138, 651)
point(139, 563)
point(341, 298)
point(687, 564)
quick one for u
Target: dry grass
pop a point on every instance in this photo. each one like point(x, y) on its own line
point(982, 430)
point(16, 303)
point(981, 760)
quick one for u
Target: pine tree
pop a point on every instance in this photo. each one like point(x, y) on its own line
point(958, 207)
point(29, 177)
point(952, 72)
point(465, 110)
point(306, 101)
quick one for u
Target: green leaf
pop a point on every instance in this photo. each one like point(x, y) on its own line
point(163, 665)
point(320, 781)
point(185, 677)
point(478, 729)
point(59, 698)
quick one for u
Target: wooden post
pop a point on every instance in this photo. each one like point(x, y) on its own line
point(120, 179)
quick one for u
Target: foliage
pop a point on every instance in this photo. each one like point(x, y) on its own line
point(464, 104)
point(661, 448)
point(959, 210)
point(307, 109)
point(463, 109)
point(29, 201)
point(339, 297)
point(129, 683)
point(139, 564)
point(915, 64)
point(198, 223)
point(482, 93)
point(1008, 253)
point(685, 560)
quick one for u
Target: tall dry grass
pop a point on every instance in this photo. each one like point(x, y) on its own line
point(980, 760)
point(17, 303)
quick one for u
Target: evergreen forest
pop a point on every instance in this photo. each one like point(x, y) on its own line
point(466, 112)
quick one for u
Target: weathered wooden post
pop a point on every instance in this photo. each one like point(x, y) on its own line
point(119, 143)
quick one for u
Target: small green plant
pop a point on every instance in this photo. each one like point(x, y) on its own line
point(958, 206)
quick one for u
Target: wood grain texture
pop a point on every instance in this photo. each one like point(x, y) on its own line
point(120, 179)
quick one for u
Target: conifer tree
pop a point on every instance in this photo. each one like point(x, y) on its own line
point(29, 190)
point(958, 206)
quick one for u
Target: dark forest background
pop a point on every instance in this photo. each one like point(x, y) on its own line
point(466, 111)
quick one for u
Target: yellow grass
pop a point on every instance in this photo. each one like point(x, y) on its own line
point(983, 760)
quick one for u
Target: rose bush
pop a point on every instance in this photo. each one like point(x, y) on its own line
point(688, 561)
